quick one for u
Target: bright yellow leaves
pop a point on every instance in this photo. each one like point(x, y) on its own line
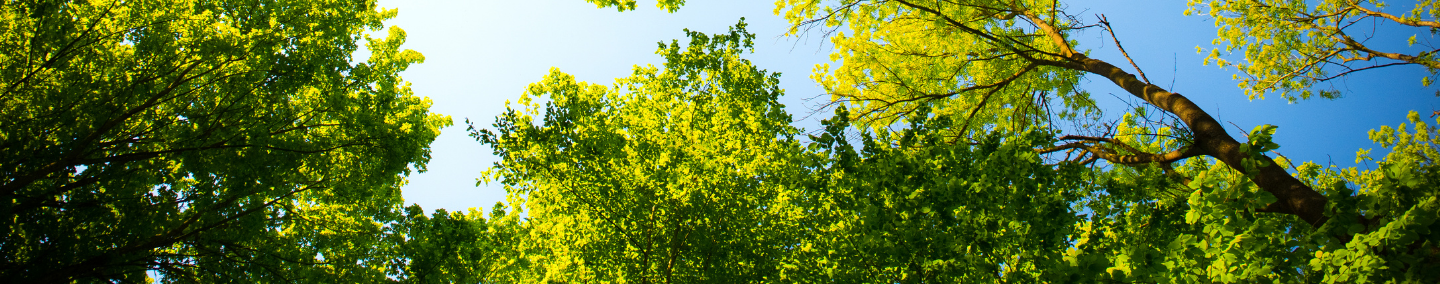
point(1289, 46)
point(675, 173)
point(971, 61)
point(626, 5)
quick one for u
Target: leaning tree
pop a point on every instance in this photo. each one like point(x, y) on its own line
point(1184, 200)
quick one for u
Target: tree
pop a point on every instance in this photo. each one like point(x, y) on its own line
point(1290, 46)
point(460, 247)
point(911, 207)
point(691, 174)
point(1184, 202)
point(1015, 56)
point(678, 173)
point(208, 141)
point(982, 59)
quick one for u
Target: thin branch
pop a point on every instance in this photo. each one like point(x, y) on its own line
point(986, 98)
point(1106, 23)
point(1402, 21)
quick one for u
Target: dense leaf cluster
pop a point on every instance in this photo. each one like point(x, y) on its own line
point(208, 141)
point(231, 141)
point(691, 173)
point(915, 203)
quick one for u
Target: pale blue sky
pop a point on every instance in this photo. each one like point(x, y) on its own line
point(480, 53)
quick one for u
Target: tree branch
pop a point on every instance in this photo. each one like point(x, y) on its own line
point(1295, 197)
point(1402, 21)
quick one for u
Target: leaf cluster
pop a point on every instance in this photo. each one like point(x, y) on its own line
point(208, 141)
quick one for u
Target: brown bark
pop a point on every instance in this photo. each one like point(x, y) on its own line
point(1211, 139)
point(1402, 21)
point(1137, 158)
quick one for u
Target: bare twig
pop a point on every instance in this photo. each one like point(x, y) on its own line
point(1106, 23)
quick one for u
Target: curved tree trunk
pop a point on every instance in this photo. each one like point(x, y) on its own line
point(1211, 139)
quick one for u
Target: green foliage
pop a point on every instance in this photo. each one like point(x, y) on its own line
point(1392, 214)
point(458, 247)
point(1290, 45)
point(897, 60)
point(914, 206)
point(1142, 230)
point(225, 142)
point(691, 175)
point(676, 173)
point(627, 5)
point(629, 184)
point(207, 141)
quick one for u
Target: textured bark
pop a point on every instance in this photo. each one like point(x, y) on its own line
point(1294, 197)
point(1211, 139)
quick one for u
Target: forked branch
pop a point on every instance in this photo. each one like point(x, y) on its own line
point(1096, 146)
point(1210, 138)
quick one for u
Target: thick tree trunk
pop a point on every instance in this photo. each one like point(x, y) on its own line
point(1211, 139)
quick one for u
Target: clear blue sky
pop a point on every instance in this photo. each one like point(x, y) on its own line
point(479, 54)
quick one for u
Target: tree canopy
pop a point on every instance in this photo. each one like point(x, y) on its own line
point(221, 141)
point(208, 141)
point(936, 89)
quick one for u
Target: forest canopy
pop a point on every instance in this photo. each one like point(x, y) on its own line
point(240, 141)
point(203, 141)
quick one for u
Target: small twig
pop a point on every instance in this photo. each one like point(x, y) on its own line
point(1106, 23)
point(1174, 71)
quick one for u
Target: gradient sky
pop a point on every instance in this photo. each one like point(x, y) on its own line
point(481, 53)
